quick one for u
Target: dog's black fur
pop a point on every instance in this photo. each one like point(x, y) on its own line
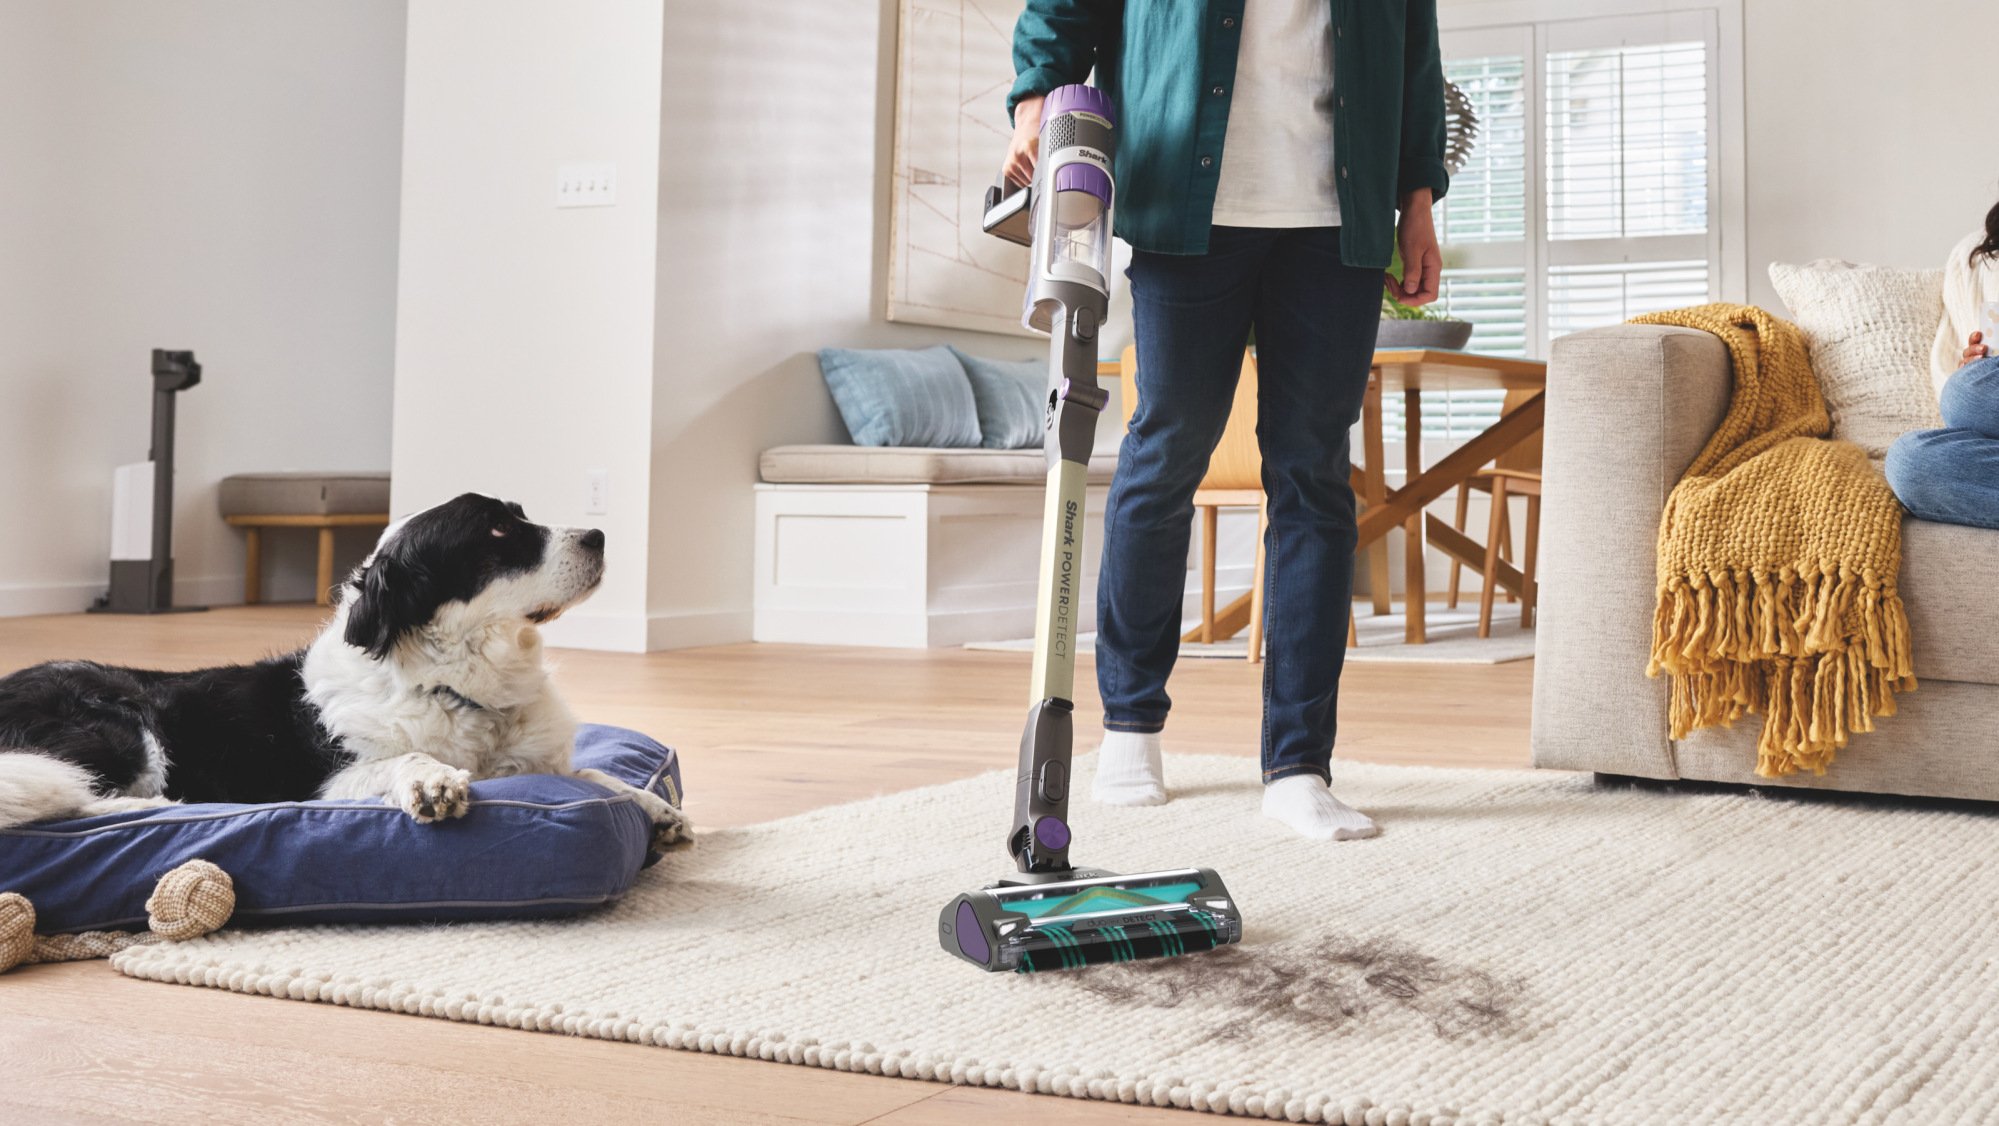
point(243, 733)
point(249, 733)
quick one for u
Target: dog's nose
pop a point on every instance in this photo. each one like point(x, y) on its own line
point(593, 540)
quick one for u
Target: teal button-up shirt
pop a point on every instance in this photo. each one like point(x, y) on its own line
point(1169, 66)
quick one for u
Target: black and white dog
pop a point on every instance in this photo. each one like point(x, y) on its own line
point(429, 675)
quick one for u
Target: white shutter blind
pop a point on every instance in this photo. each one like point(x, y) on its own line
point(1588, 198)
point(1488, 197)
point(1627, 141)
point(1581, 297)
point(1487, 208)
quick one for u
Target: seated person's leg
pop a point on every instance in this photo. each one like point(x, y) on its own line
point(1970, 399)
point(1949, 475)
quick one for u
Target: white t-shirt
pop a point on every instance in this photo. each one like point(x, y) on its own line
point(1970, 304)
point(1277, 157)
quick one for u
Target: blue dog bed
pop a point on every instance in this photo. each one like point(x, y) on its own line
point(533, 846)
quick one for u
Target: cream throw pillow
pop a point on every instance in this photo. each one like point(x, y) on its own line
point(1869, 329)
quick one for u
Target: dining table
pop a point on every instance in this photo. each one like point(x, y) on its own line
point(1384, 511)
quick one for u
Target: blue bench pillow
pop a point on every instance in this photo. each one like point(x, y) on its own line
point(1012, 397)
point(892, 397)
point(533, 846)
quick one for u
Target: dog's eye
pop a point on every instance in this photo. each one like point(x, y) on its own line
point(500, 530)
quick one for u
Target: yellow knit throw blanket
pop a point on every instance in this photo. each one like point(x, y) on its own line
point(1778, 555)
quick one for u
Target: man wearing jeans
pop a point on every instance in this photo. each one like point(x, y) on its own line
point(1264, 149)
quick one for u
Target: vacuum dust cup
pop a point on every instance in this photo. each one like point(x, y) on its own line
point(1053, 915)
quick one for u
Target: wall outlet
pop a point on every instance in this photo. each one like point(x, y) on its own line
point(586, 185)
point(597, 493)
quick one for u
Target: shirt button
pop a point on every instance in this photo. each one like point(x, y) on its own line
point(1217, 91)
point(1343, 171)
point(1343, 101)
point(1228, 21)
point(1207, 162)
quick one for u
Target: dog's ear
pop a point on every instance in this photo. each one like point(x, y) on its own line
point(392, 597)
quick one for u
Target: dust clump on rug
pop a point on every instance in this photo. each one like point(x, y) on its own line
point(1330, 983)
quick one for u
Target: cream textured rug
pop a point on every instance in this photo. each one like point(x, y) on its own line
point(1515, 948)
point(1453, 638)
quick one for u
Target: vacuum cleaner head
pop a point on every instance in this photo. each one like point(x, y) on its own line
point(1090, 920)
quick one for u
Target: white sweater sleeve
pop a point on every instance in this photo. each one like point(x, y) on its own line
point(1965, 288)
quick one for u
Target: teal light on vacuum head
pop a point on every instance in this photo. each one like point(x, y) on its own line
point(1095, 900)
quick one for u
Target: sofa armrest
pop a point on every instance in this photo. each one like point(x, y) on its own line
point(1629, 407)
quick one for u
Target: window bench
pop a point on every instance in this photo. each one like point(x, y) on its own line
point(866, 545)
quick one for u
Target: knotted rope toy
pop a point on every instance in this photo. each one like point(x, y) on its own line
point(188, 902)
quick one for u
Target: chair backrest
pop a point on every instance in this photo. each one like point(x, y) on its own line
point(1237, 462)
point(1525, 457)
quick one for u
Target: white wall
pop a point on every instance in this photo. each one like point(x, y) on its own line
point(524, 345)
point(773, 243)
point(1869, 130)
point(218, 175)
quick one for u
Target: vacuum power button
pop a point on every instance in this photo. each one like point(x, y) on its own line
point(1054, 781)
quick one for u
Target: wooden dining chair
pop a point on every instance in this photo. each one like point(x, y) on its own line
point(1234, 480)
point(1517, 472)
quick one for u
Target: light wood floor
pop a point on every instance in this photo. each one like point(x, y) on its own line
point(765, 731)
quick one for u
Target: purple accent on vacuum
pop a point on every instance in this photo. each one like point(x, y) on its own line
point(1052, 832)
point(1084, 178)
point(971, 940)
point(1089, 99)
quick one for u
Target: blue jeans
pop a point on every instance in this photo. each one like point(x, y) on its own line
point(1952, 475)
point(1315, 323)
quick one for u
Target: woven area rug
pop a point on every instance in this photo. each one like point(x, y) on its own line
point(1515, 948)
point(1453, 638)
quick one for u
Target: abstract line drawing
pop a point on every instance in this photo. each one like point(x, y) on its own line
point(943, 270)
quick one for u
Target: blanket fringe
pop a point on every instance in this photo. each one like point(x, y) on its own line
point(1819, 653)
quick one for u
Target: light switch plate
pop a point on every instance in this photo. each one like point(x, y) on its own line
point(586, 185)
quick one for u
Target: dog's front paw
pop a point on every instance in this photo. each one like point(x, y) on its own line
point(435, 793)
point(669, 826)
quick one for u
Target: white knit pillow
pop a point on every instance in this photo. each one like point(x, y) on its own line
point(1869, 329)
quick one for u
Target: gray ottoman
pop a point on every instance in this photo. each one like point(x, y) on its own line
point(319, 501)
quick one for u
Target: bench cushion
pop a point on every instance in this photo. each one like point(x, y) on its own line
point(874, 465)
point(304, 494)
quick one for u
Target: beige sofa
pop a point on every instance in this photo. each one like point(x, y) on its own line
point(1628, 408)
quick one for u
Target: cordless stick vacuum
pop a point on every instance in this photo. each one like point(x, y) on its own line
point(1052, 915)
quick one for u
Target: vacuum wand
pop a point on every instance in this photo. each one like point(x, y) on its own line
point(1052, 914)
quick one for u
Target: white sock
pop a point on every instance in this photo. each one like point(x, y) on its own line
point(1129, 771)
point(1309, 807)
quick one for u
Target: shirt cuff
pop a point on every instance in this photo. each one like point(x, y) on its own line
point(1423, 172)
point(1037, 81)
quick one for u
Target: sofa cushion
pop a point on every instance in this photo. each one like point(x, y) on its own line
point(1949, 574)
point(1013, 400)
point(890, 397)
point(304, 494)
point(864, 465)
point(1869, 329)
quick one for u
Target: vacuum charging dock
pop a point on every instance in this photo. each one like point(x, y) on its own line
point(142, 565)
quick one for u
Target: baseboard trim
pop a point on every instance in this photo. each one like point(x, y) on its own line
point(25, 600)
point(697, 629)
point(623, 633)
point(604, 633)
